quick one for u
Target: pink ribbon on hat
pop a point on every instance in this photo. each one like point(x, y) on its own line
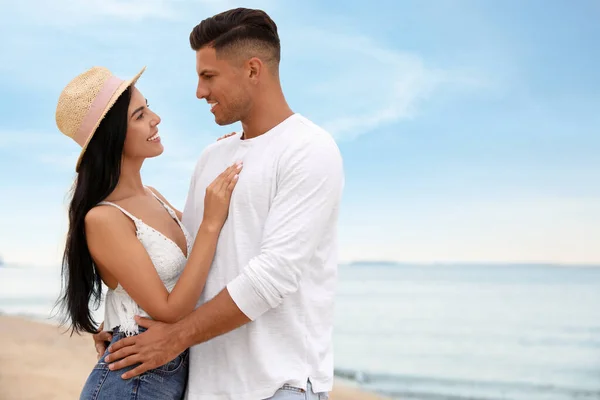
point(96, 109)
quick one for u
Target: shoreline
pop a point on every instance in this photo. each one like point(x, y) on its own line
point(40, 361)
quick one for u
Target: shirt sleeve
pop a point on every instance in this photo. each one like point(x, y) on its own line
point(309, 187)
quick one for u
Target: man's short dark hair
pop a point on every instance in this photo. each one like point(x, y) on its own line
point(240, 31)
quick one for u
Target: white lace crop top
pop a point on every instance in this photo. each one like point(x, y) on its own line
point(168, 259)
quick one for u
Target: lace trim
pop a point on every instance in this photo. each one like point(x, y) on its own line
point(126, 310)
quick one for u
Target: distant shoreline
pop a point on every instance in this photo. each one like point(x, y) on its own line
point(464, 264)
point(388, 263)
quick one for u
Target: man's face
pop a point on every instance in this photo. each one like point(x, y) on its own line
point(224, 85)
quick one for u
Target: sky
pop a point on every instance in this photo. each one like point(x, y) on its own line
point(470, 130)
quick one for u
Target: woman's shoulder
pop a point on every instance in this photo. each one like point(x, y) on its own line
point(156, 192)
point(106, 216)
point(160, 196)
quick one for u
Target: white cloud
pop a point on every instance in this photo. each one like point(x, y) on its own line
point(48, 148)
point(19, 139)
point(63, 163)
point(129, 10)
point(66, 13)
point(363, 84)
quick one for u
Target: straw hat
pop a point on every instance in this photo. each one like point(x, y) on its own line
point(85, 101)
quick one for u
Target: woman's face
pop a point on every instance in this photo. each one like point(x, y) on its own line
point(142, 140)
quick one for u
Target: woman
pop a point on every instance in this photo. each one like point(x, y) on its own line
point(126, 235)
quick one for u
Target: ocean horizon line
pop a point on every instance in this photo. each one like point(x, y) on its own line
point(367, 262)
point(389, 263)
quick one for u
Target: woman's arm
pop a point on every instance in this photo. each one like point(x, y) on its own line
point(114, 247)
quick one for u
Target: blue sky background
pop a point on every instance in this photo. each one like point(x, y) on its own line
point(470, 130)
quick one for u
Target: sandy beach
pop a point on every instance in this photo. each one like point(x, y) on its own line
point(39, 361)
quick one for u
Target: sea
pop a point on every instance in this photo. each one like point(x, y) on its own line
point(436, 332)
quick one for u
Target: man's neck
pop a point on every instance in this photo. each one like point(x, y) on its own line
point(265, 116)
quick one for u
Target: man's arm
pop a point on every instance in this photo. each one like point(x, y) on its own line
point(214, 318)
point(306, 204)
point(308, 194)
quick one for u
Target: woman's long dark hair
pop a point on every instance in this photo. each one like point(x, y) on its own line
point(98, 176)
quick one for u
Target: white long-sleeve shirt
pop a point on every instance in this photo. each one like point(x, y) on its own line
point(277, 256)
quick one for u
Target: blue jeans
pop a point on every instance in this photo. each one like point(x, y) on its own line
point(167, 382)
point(293, 393)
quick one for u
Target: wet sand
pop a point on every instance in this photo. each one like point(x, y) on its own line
point(40, 361)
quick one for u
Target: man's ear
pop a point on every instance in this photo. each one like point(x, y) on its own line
point(254, 68)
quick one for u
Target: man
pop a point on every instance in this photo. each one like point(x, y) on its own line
point(264, 325)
